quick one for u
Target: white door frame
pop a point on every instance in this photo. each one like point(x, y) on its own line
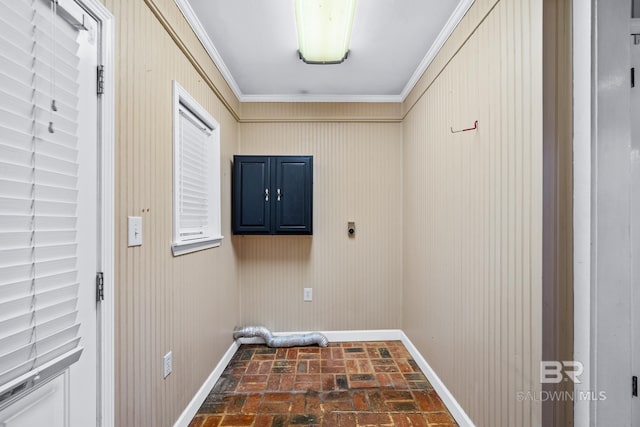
point(582, 106)
point(106, 176)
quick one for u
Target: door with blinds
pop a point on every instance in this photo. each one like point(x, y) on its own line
point(48, 214)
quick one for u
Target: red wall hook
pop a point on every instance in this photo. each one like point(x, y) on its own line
point(475, 126)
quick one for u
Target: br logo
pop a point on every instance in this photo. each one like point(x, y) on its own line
point(554, 372)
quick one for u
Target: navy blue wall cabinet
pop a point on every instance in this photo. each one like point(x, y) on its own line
point(272, 195)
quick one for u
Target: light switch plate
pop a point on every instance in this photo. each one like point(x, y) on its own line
point(135, 231)
point(167, 364)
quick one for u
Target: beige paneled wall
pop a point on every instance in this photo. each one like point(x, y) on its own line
point(320, 111)
point(186, 304)
point(357, 282)
point(473, 205)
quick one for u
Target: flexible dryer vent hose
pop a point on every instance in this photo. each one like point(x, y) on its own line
point(293, 340)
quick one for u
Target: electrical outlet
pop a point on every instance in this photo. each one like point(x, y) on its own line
point(167, 365)
point(308, 294)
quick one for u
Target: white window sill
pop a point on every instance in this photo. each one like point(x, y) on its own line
point(188, 247)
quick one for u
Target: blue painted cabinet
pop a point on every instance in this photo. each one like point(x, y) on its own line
point(272, 195)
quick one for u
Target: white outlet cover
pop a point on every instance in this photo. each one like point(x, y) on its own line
point(308, 294)
point(167, 365)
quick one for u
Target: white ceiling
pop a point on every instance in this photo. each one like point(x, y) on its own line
point(254, 44)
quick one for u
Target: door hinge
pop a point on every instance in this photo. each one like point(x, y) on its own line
point(100, 287)
point(634, 386)
point(100, 79)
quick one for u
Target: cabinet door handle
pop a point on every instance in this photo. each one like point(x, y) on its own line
point(266, 194)
point(279, 194)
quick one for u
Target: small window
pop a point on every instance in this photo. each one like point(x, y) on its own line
point(196, 176)
point(635, 9)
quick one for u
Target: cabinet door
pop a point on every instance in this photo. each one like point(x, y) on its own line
point(252, 195)
point(293, 198)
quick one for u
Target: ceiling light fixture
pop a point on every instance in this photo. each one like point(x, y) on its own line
point(324, 30)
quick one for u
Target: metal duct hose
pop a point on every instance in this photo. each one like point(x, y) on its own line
point(293, 340)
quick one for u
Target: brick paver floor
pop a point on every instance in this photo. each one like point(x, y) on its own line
point(345, 384)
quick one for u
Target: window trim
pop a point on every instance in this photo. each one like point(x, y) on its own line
point(181, 98)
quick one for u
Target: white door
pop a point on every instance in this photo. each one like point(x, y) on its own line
point(635, 210)
point(61, 218)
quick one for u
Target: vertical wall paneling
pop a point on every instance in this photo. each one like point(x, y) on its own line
point(187, 304)
point(320, 112)
point(473, 213)
point(357, 282)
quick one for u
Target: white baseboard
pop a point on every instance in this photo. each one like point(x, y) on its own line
point(450, 402)
point(372, 335)
point(447, 398)
point(342, 336)
point(192, 408)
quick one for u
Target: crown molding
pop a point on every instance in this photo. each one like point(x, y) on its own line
point(321, 98)
point(198, 29)
point(450, 26)
point(196, 26)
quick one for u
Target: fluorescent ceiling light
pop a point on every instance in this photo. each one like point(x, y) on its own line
point(324, 29)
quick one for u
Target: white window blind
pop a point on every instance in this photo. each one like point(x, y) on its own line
point(38, 194)
point(196, 176)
